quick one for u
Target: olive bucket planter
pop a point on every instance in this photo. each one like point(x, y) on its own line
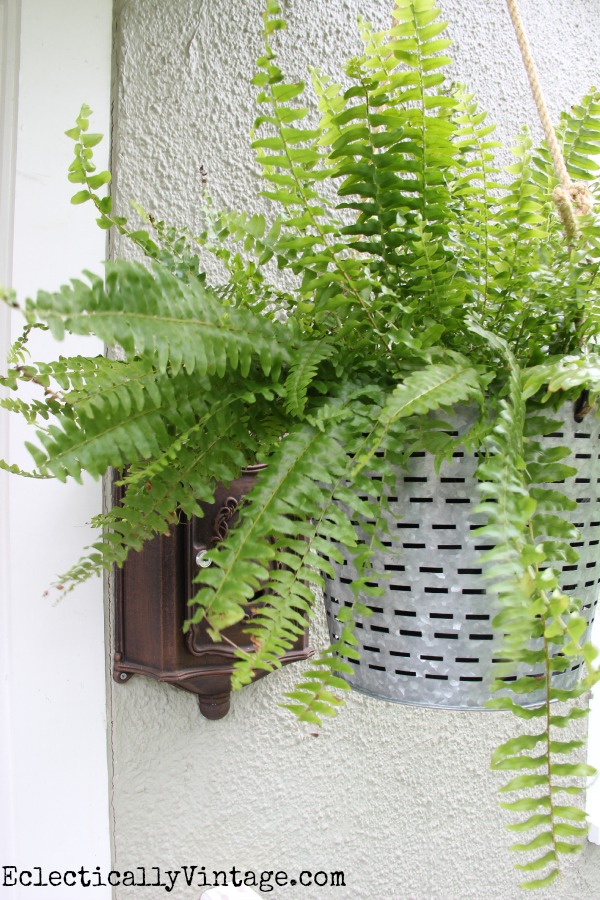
point(430, 640)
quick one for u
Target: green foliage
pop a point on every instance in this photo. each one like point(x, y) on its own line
point(418, 277)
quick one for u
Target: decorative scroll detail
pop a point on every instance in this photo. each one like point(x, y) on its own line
point(223, 520)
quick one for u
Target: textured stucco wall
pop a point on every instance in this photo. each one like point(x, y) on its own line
point(401, 799)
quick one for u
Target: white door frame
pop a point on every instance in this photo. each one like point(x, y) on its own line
point(54, 781)
point(10, 20)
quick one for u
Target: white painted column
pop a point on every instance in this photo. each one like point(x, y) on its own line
point(9, 71)
point(55, 781)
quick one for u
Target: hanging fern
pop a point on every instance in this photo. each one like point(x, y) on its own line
point(418, 277)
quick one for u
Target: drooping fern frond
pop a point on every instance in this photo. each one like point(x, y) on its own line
point(419, 394)
point(528, 526)
point(508, 507)
point(303, 557)
point(154, 492)
point(155, 314)
point(14, 469)
point(289, 488)
point(93, 437)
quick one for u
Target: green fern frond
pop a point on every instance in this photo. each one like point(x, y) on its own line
point(477, 171)
point(155, 315)
point(154, 492)
point(302, 372)
point(17, 470)
point(579, 129)
point(420, 393)
point(524, 217)
point(566, 374)
point(301, 560)
point(103, 436)
point(287, 493)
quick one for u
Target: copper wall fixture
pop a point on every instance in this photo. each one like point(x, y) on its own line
point(151, 605)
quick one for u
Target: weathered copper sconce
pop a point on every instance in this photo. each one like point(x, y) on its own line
point(151, 596)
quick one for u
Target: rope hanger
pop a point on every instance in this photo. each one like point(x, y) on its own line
point(572, 199)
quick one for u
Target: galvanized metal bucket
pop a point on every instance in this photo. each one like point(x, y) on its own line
point(430, 640)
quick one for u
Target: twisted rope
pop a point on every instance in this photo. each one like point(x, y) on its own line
point(571, 198)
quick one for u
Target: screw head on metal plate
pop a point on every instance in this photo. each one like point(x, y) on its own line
point(201, 559)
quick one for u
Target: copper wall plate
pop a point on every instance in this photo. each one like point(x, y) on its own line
point(151, 605)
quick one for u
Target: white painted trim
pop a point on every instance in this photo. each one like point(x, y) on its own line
point(10, 18)
point(53, 721)
point(10, 21)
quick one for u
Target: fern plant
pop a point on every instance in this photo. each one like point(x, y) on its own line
point(418, 278)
